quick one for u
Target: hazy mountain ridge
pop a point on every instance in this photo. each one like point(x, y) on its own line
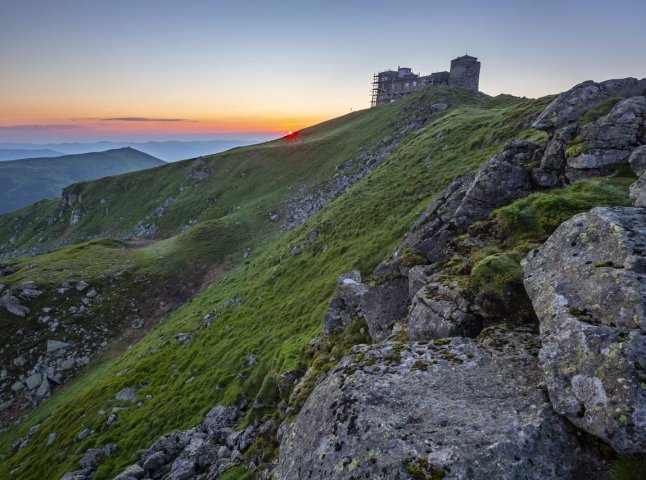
point(29, 180)
point(17, 153)
point(169, 151)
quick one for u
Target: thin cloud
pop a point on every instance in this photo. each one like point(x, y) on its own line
point(49, 126)
point(143, 119)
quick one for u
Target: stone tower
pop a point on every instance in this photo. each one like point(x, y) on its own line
point(465, 72)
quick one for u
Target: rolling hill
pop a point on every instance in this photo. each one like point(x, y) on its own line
point(29, 180)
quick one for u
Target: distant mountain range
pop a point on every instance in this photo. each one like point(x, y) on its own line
point(170, 151)
point(18, 153)
point(29, 180)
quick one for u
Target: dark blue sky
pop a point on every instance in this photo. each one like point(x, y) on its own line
point(272, 65)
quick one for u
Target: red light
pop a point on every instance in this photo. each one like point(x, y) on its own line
point(291, 134)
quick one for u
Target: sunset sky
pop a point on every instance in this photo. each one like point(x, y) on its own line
point(168, 69)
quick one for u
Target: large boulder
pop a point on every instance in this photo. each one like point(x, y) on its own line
point(568, 107)
point(453, 409)
point(588, 287)
point(442, 309)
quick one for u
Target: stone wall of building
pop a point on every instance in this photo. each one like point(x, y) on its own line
point(391, 85)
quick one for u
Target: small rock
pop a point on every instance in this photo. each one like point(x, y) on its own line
point(126, 395)
point(54, 345)
point(138, 323)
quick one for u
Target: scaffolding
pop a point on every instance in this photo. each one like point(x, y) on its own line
point(376, 90)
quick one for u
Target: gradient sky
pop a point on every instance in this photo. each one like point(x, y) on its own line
point(86, 70)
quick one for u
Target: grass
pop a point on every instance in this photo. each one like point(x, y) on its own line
point(283, 298)
point(245, 184)
point(26, 181)
point(598, 111)
point(537, 215)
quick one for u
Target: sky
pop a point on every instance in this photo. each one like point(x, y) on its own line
point(89, 70)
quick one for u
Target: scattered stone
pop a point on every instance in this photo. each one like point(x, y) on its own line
point(51, 438)
point(138, 323)
point(54, 345)
point(81, 286)
point(126, 395)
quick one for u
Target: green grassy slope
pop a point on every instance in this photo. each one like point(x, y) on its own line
point(282, 297)
point(248, 183)
point(26, 181)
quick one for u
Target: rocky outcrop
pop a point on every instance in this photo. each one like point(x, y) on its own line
point(501, 180)
point(455, 409)
point(568, 107)
point(588, 287)
point(206, 451)
point(591, 128)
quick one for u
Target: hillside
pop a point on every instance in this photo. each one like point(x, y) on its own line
point(365, 296)
point(28, 180)
point(17, 153)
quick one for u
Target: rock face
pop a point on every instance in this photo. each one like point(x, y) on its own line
point(594, 331)
point(501, 180)
point(442, 309)
point(583, 145)
point(568, 107)
point(453, 409)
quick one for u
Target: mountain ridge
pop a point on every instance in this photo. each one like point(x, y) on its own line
point(27, 180)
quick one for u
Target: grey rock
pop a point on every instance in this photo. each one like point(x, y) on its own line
point(30, 293)
point(569, 106)
point(111, 419)
point(637, 160)
point(83, 434)
point(91, 294)
point(51, 438)
point(133, 471)
point(501, 180)
point(182, 469)
point(43, 390)
point(612, 138)
point(82, 286)
point(155, 461)
point(34, 381)
point(296, 251)
point(54, 345)
point(6, 405)
point(442, 309)
point(638, 192)
point(219, 418)
point(83, 474)
point(92, 458)
point(126, 395)
point(384, 305)
point(138, 323)
point(461, 410)
point(19, 361)
point(13, 306)
point(345, 307)
point(588, 287)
